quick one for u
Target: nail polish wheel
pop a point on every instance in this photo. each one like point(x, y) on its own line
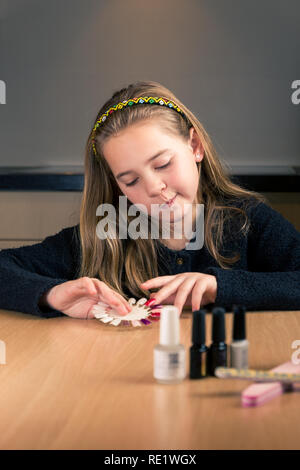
point(143, 312)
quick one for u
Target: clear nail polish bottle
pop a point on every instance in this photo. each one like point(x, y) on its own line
point(240, 345)
point(169, 354)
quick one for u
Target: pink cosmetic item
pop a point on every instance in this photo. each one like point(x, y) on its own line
point(260, 393)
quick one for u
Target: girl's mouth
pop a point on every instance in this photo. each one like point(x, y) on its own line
point(168, 204)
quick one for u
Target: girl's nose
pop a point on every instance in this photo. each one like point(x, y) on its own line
point(155, 187)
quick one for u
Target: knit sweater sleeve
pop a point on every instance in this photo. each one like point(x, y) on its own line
point(28, 272)
point(272, 281)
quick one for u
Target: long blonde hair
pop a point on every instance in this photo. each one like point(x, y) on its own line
point(124, 264)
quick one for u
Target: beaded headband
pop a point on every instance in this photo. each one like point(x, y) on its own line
point(133, 101)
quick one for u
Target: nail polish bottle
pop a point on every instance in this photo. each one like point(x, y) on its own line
point(217, 353)
point(240, 345)
point(198, 350)
point(169, 355)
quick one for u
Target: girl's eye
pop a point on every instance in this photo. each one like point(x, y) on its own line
point(131, 184)
point(159, 168)
point(164, 166)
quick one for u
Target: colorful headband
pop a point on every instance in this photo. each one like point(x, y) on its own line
point(141, 100)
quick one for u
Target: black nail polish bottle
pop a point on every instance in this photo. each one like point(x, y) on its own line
point(198, 350)
point(217, 353)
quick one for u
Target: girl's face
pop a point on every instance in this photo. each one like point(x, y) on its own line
point(152, 166)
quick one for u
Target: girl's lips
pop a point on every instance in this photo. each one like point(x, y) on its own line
point(172, 200)
point(168, 204)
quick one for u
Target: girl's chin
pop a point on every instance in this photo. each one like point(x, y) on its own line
point(176, 213)
point(179, 208)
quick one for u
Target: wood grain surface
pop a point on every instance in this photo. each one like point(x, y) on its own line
point(81, 384)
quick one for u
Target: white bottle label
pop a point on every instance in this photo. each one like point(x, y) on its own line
point(169, 365)
point(239, 356)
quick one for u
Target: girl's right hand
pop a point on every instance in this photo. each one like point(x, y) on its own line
point(77, 298)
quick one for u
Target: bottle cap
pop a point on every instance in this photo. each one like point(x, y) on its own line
point(198, 329)
point(239, 324)
point(169, 326)
point(218, 333)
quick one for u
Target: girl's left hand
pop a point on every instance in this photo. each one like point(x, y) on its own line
point(197, 289)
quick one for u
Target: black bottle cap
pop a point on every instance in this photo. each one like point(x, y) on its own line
point(198, 329)
point(218, 328)
point(239, 323)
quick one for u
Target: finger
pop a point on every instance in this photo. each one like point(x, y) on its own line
point(167, 290)
point(183, 292)
point(86, 284)
point(112, 298)
point(197, 295)
point(91, 286)
point(156, 281)
point(119, 296)
point(90, 315)
point(116, 304)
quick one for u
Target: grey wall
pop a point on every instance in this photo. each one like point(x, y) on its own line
point(231, 61)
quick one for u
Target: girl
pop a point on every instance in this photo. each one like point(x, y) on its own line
point(147, 146)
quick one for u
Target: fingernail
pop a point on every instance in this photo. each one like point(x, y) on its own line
point(150, 301)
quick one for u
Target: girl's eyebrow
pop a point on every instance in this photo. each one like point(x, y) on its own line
point(149, 160)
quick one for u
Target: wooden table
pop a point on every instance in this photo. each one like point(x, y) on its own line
point(81, 384)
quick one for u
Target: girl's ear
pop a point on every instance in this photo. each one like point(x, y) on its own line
point(195, 145)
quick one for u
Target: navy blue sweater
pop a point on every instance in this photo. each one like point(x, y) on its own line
point(266, 277)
